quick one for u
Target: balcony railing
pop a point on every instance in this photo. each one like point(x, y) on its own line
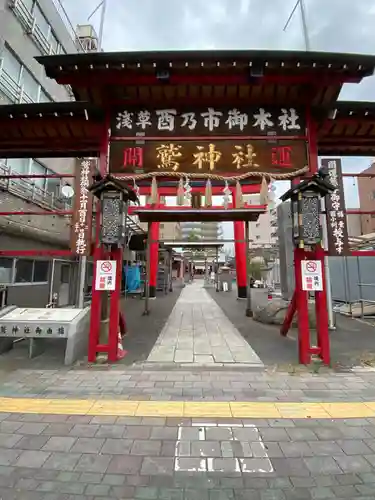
point(27, 190)
point(12, 90)
point(31, 27)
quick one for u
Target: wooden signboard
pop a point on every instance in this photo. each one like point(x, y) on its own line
point(217, 156)
point(81, 228)
point(337, 228)
point(208, 121)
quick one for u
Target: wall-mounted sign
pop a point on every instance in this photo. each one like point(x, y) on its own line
point(80, 240)
point(220, 156)
point(337, 228)
point(208, 121)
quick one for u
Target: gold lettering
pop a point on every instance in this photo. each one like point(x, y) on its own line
point(168, 155)
point(210, 157)
point(244, 158)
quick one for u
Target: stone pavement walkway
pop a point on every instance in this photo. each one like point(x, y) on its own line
point(199, 333)
point(225, 435)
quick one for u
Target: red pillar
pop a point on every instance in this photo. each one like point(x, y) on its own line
point(322, 313)
point(114, 311)
point(154, 257)
point(302, 310)
point(96, 295)
point(240, 255)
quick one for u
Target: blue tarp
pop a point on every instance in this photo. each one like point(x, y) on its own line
point(132, 278)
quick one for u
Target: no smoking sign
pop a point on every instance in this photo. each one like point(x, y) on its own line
point(105, 278)
point(312, 277)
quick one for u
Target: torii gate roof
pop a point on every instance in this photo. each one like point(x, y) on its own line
point(73, 129)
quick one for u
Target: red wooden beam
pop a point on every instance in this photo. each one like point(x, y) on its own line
point(108, 77)
point(214, 138)
point(362, 253)
point(34, 253)
point(351, 211)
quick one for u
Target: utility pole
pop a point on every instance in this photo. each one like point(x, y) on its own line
point(301, 5)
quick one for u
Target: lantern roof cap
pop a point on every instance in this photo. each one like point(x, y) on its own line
point(109, 183)
point(318, 183)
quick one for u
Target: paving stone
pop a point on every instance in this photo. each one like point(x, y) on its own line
point(146, 493)
point(93, 463)
point(84, 430)
point(189, 434)
point(345, 491)
point(117, 446)
point(218, 434)
point(271, 450)
point(269, 434)
point(170, 494)
point(62, 461)
point(301, 434)
point(123, 492)
point(147, 448)
point(66, 477)
point(32, 428)
point(196, 494)
point(297, 449)
point(110, 431)
point(99, 490)
point(347, 479)
point(87, 445)
point(247, 494)
point(10, 427)
point(90, 477)
point(291, 467)
point(353, 463)
point(205, 449)
point(9, 440)
point(329, 433)
point(367, 477)
point(272, 495)
point(59, 443)
point(124, 464)
point(164, 433)
point(31, 442)
point(137, 432)
point(321, 493)
point(157, 465)
point(354, 447)
point(57, 429)
point(298, 494)
point(28, 458)
point(325, 448)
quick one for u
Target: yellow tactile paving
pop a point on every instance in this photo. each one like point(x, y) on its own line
point(203, 409)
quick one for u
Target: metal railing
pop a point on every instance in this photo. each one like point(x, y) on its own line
point(28, 21)
point(10, 88)
point(27, 190)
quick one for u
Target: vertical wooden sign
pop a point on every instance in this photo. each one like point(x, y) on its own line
point(81, 229)
point(337, 228)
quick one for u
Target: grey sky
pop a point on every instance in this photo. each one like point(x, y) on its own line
point(334, 26)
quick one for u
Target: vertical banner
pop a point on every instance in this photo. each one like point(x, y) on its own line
point(337, 229)
point(81, 229)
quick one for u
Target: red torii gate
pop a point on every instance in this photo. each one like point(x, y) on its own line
point(104, 83)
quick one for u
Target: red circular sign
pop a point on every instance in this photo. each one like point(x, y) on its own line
point(311, 267)
point(106, 267)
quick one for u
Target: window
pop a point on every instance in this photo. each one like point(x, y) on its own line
point(24, 271)
point(11, 65)
point(38, 169)
point(41, 268)
point(257, 237)
point(53, 186)
point(6, 270)
point(30, 271)
point(22, 78)
point(19, 165)
point(41, 21)
point(373, 195)
point(30, 85)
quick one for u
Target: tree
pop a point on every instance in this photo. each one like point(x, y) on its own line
point(255, 269)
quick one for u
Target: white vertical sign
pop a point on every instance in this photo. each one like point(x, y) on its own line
point(105, 275)
point(312, 277)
